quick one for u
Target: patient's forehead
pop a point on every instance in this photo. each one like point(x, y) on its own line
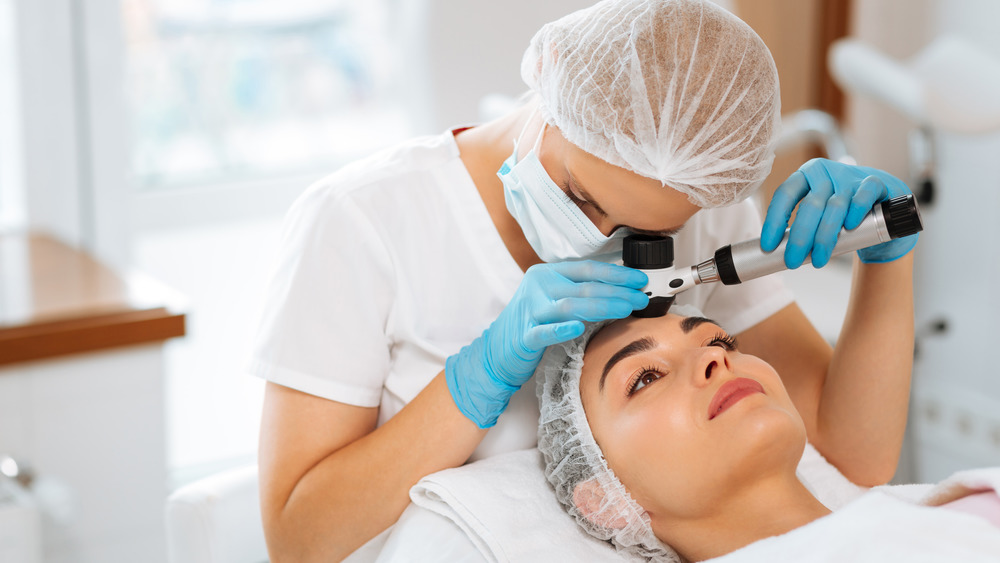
point(625, 330)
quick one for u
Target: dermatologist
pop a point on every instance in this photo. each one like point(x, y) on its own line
point(417, 289)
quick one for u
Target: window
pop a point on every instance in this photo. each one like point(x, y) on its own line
point(234, 107)
point(224, 90)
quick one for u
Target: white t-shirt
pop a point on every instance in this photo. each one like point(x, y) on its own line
point(392, 264)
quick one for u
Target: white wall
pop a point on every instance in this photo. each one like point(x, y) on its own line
point(475, 49)
point(12, 209)
point(47, 111)
point(956, 393)
point(898, 28)
point(63, 138)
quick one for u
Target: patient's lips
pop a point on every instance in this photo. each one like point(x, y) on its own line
point(730, 393)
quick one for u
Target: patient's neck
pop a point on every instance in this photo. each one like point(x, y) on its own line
point(770, 509)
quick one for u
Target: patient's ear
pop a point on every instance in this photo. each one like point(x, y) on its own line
point(589, 498)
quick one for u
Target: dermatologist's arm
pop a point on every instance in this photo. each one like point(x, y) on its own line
point(330, 481)
point(868, 386)
point(853, 399)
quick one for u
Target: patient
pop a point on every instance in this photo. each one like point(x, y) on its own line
point(663, 438)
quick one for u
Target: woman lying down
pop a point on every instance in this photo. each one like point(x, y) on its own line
point(661, 437)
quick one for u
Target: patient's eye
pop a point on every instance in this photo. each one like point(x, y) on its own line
point(642, 378)
point(723, 340)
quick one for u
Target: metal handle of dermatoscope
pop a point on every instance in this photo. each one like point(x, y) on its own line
point(744, 261)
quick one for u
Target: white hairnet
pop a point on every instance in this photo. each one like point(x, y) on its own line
point(573, 457)
point(681, 91)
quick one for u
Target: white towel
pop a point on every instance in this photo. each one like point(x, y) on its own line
point(505, 506)
point(825, 481)
point(507, 509)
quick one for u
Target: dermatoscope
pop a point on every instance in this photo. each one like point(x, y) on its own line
point(736, 263)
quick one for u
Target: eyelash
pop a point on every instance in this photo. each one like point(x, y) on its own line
point(725, 341)
point(722, 340)
point(572, 196)
point(635, 379)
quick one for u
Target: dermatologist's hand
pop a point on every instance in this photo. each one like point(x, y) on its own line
point(833, 195)
point(548, 307)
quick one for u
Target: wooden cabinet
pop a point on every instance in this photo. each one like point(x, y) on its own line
point(82, 397)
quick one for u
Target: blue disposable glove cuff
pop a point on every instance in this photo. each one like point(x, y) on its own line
point(481, 399)
point(889, 251)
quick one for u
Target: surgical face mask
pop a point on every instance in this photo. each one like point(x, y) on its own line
point(556, 228)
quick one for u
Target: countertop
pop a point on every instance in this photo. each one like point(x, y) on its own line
point(57, 300)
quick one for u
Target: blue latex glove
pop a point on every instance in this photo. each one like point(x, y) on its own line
point(833, 195)
point(547, 308)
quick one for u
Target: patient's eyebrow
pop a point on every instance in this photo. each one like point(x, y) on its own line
point(641, 345)
point(691, 323)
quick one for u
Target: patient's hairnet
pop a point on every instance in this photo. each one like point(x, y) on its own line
point(681, 91)
point(572, 456)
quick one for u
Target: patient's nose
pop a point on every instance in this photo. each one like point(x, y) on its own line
point(713, 362)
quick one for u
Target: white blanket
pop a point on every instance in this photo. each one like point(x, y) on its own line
point(506, 508)
point(885, 525)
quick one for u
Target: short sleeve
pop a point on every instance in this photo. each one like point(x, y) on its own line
point(324, 322)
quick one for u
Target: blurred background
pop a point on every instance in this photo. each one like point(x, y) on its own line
point(149, 149)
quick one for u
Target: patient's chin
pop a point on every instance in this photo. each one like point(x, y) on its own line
point(771, 439)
